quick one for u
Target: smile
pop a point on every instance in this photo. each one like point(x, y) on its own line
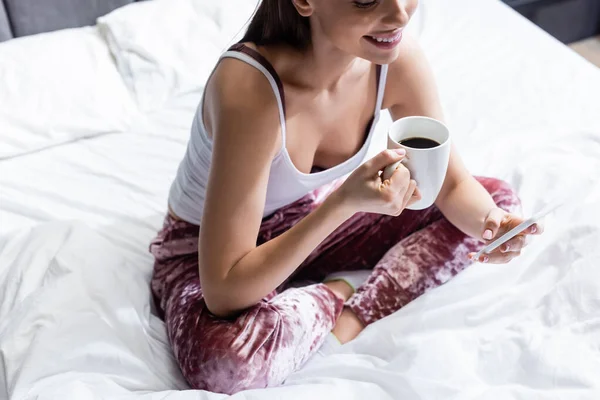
point(385, 41)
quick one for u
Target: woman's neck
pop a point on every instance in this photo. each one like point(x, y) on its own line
point(324, 66)
point(320, 67)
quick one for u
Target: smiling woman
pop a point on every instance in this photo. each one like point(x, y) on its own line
point(282, 235)
point(279, 21)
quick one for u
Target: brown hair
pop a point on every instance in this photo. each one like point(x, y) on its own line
point(277, 22)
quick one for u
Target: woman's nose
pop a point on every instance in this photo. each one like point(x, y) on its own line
point(400, 11)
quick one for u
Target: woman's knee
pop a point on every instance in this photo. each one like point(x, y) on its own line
point(502, 192)
point(225, 356)
point(223, 370)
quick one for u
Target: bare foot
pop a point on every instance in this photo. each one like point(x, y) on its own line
point(340, 288)
point(348, 326)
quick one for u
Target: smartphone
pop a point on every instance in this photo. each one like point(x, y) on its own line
point(518, 229)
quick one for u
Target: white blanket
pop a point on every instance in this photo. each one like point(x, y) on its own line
point(76, 318)
point(77, 322)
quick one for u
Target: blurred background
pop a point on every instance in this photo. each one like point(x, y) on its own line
point(573, 22)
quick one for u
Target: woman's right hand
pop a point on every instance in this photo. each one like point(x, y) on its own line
point(365, 191)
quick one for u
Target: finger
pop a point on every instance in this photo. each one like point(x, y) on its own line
point(515, 244)
point(495, 257)
point(502, 258)
point(492, 223)
point(417, 196)
point(400, 178)
point(528, 239)
point(540, 226)
point(535, 229)
point(484, 258)
point(382, 160)
point(409, 192)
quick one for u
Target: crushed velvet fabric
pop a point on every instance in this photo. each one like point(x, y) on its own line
point(409, 255)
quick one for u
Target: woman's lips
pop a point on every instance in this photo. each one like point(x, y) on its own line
point(384, 41)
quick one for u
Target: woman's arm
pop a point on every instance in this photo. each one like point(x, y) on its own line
point(411, 90)
point(243, 115)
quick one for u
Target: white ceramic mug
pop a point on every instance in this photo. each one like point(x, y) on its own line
point(427, 166)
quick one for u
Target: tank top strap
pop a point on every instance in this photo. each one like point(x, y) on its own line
point(257, 60)
point(382, 71)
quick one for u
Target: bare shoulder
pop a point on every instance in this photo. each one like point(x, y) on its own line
point(239, 92)
point(233, 79)
point(411, 88)
point(411, 59)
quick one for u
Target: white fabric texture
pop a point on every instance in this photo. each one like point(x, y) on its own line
point(77, 322)
point(166, 48)
point(59, 87)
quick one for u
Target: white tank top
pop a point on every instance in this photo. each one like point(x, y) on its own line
point(286, 183)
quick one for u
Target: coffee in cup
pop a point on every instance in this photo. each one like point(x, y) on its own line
point(427, 145)
point(419, 143)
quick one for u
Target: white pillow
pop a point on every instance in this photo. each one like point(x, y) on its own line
point(58, 87)
point(165, 48)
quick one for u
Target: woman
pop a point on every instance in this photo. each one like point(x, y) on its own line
point(297, 241)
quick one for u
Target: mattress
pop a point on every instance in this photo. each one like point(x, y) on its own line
point(77, 322)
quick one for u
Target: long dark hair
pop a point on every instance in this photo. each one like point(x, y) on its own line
point(277, 22)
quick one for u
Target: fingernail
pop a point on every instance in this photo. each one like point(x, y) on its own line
point(487, 235)
point(507, 248)
point(485, 259)
point(534, 229)
point(400, 151)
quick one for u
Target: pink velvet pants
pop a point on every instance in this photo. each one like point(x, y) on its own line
point(409, 254)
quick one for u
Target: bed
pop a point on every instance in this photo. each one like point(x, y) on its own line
point(95, 119)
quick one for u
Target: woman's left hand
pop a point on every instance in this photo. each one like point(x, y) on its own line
point(497, 223)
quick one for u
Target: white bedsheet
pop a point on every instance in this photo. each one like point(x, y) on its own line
point(75, 221)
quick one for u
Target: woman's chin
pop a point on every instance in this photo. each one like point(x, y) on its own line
point(380, 52)
point(380, 59)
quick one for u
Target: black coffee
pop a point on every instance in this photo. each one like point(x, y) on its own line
point(419, 143)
